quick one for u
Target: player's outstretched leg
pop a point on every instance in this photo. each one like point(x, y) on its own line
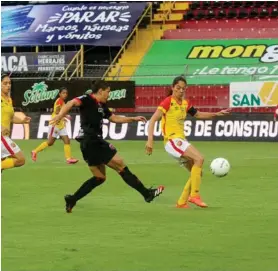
point(149, 194)
point(195, 176)
point(86, 187)
point(17, 160)
point(184, 197)
point(67, 151)
point(51, 140)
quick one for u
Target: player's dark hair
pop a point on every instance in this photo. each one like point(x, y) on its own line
point(61, 89)
point(3, 76)
point(99, 84)
point(175, 81)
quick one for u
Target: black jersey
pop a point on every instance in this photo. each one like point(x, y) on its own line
point(92, 114)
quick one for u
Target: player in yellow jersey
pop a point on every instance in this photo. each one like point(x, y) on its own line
point(173, 111)
point(11, 155)
point(58, 130)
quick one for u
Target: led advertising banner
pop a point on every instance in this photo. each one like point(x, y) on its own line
point(98, 24)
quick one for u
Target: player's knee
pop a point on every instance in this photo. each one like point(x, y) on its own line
point(67, 141)
point(118, 164)
point(20, 161)
point(200, 160)
point(100, 179)
point(50, 143)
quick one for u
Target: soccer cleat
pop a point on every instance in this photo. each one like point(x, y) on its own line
point(70, 203)
point(182, 206)
point(34, 156)
point(72, 161)
point(197, 201)
point(154, 193)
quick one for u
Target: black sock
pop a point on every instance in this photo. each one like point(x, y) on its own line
point(134, 182)
point(87, 187)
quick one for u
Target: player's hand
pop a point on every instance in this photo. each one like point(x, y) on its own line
point(55, 120)
point(68, 117)
point(149, 147)
point(224, 112)
point(5, 131)
point(26, 120)
point(140, 118)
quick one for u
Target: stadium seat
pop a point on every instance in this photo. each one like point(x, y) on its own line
point(253, 13)
point(232, 13)
point(221, 14)
point(264, 13)
point(206, 5)
point(274, 13)
point(237, 4)
point(211, 14)
point(200, 15)
point(216, 4)
point(227, 4)
point(258, 4)
point(195, 5)
point(189, 15)
point(243, 13)
point(247, 4)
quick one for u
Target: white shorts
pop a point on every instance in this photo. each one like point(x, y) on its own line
point(176, 148)
point(56, 132)
point(8, 147)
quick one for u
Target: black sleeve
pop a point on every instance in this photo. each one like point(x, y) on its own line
point(83, 99)
point(192, 111)
point(107, 112)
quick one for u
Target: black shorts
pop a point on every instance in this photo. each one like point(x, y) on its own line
point(97, 152)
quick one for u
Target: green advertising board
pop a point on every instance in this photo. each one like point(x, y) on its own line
point(209, 62)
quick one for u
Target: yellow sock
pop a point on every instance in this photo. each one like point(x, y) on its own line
point(195, 180)
point(41, 147)
point(185, 193)
point(7, 163)
point(67, 151)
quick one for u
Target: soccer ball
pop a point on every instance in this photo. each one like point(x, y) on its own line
point(220, 167)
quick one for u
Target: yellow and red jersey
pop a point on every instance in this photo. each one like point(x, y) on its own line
point(7, 112)
point(59, 103)
point(174, 115)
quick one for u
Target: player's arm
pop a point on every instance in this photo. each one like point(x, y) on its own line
point(64, 110)
point(122, 119)
point(18, 120)
point(162, 109)
point(155, 117)
point(208, 115)
point(58, 109)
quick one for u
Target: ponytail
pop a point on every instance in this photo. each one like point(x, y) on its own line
point(169, 92)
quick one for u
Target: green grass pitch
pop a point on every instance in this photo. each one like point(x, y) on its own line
point(113, 229)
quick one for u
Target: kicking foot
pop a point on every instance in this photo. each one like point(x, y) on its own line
point(34, 156)
point(182, 206)
point(198, 201)
point(154, 193)
point(72, 161)
point(70, 203)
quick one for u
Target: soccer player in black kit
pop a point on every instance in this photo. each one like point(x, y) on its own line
point(95, 150)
